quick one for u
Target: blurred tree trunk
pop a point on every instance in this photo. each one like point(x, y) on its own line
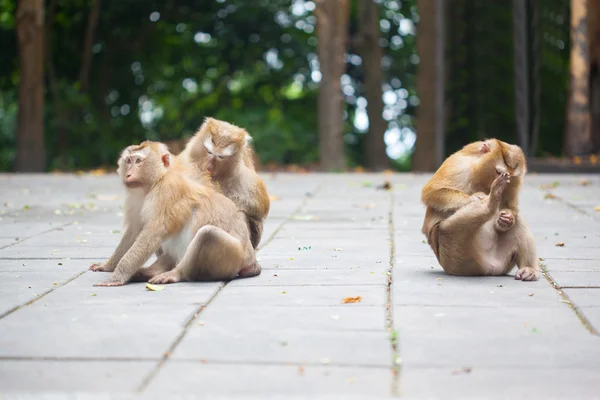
point(578, 138)
point(31, 155)
point(594, 41)
point(86, 59)
point(371, 54)
point(429, 148)
point(332, 31)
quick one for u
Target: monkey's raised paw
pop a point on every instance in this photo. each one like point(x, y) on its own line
point(527, 274)
point(165, 277)
point(499, 185)
point(110, 284)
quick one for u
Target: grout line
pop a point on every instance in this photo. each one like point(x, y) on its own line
point(21, 240)
point(579, 287)
point(146, 381)
point(566, 299)
point(52, 289)
point(396, 360)
point(570, 205)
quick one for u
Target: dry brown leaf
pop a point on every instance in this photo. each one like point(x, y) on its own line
point(560, 244)
point(585, 182)
point(301, 370)
point(549, 196)
point(530, 295)
point(356, 299)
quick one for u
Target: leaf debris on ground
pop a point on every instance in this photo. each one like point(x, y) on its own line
point(154, 288)
point(560, 244)
point(347, 300)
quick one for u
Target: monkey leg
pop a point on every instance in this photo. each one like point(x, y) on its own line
point(162, 264)
point(505, 220)
point(454, 235)
point(526, 257)
point(212, 254)
point(256, 230)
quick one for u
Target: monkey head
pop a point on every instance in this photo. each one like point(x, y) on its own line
point(494, 157)
point(221, 146)
point(141, 166)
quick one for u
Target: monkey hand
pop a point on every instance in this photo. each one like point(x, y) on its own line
point(505, 220)
point(101, 267)
point(166, 277)
point(110, 283)
point(527, 274)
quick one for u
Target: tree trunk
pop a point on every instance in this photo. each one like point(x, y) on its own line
point(594, 42)
point(86, 59)
point(578, 138)
point(332, 31)
point(429, 148)
point(371, 54)
point(31, 155)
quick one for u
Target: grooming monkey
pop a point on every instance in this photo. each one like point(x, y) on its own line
point(224, 150)
point(472, 221)
point(201, 233)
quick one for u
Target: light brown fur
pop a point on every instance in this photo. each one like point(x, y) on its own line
point(224, 150)
point(200, 233)
point(471, 222)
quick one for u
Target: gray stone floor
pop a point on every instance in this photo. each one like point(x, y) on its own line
point(417, 332)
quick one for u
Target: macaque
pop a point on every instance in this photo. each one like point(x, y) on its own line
point(224, 151)
point(201, 234)
point(472, 221)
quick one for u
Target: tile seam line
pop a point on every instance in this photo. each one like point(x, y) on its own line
point(154, 372)
point(43, 294)
point(566, 299)
point(570, 205)
point(390, 326)
point(32, 236)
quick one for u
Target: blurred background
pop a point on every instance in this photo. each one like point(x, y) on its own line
point(323, 84)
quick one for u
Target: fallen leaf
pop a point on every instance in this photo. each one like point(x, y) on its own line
point(530, 295)
point(115, 231)
point(577, 160)
point(324, 360)
point(597, 208)
point(154, 288)
point(203, 361)
point(359, 169)
point(301, 370)
point(534, 330)
point(291, 259)
point(560, 244)
point(274, 274)
point(166, 354)
point(356, 299)
point(585, 182)
point(385, 186)
point(549, 196)
point(25, 207)
point(594, 159)
point(284, 292)
point(304, 217)
point(337, 249)
point(93, 294)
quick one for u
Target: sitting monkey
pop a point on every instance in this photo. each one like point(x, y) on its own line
point(472, 221)
point(201, 233)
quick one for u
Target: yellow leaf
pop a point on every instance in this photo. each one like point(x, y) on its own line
point(597, 208)
point(154, 288)
point(356, 299)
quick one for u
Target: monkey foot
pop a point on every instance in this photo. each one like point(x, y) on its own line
point(250, 271)
point(165, 277)
point(505, 220)
point(527, 274)
point(110, 284)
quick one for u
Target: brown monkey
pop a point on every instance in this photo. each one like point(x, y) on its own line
point(201, 233)
point(224, 150)
point(472, 232)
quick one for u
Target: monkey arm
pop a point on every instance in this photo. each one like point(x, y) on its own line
point(445, 198)
point(147, 242)
point(124, 244)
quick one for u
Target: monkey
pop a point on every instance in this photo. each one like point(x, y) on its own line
point(200, 232)
point(471, 221)
point(224, 150)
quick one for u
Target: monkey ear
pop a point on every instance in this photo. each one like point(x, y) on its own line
point(485, 148)
point(166, 159)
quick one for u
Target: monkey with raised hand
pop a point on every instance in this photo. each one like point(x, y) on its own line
point(224, 150)
point(472, 222)
point(201, 233)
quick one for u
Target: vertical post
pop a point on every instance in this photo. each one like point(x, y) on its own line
point(521, 66)
point(440, 87)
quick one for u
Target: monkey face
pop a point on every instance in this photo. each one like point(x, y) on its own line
point(141, 166)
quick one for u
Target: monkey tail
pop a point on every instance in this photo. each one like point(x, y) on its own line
point(433, 238)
